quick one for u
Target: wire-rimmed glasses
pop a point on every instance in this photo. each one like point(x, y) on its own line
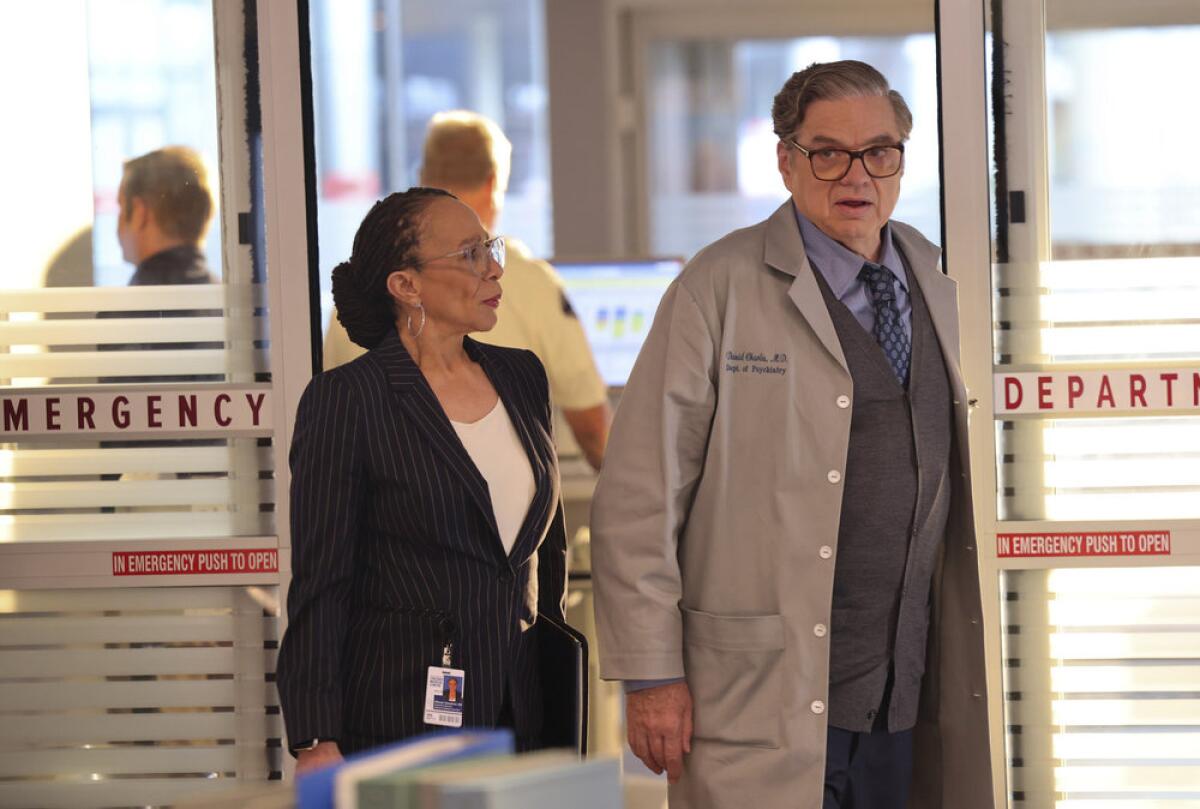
point(476, 255)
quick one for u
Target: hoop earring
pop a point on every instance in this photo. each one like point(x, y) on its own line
point(421, 328)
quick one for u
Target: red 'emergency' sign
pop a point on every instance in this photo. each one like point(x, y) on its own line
point(1104, 543)
point(194, 563)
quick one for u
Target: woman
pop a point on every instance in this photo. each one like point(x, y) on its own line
point(425, 519)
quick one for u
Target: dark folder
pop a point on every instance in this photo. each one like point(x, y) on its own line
point(563, 655)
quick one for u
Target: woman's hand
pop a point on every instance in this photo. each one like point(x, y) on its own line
point(324, 754)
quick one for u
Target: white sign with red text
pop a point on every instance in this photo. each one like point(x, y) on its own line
point(1087, 543)
point(1126, 391)
point(195, 562)
point(110, 412)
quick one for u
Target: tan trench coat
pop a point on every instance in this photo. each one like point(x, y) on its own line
point(715, 524)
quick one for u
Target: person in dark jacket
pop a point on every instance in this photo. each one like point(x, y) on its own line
point(166, 207)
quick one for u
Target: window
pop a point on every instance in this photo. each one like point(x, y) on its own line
point(1114, 284)
point(109, 344)
point(711, 163)
point(136, 416)
point(383, 68)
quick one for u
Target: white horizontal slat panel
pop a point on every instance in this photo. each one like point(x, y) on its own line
point(139, 298)
point(131, 629)
point(142, 760)
point(1125, 645)
point(1123, 803)
point(53, 696)
point(103, 460)
point(1111, 342)
point(181, 362)
point(1134, 473)
point(1098, 305)
point(1124, 712)
point(133, 662)
point(129, 599)
point(191, 708)
point(99, 494)
point(1147, 582)
point(1109, 777)
point(1125, 679)
point(145, 525)
point(88, 794)
point(1136, 736)
point(117, 331)
point(1110, 679)
point(1121, 436)
point(65, 729)
point(1172, 273)
point(1163, 746)
point(1104, 506)
point(1112, 611)
point(1132, 645)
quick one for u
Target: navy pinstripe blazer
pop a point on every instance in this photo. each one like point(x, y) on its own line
point(395, 552)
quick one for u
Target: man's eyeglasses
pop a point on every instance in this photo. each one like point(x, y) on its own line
point(476, 255)
point(832, 165)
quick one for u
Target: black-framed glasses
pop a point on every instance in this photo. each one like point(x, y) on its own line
point(476, 255)
point(832, 165)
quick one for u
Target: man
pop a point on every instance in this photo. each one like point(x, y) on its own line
point(785, 513)
point(467, 155)
point(165, 211)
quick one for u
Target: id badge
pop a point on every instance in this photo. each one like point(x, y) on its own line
point(444, 697)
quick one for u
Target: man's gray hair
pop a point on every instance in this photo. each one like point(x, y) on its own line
point(828, 81)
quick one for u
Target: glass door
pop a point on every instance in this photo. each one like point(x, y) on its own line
point(144, 405)
point(1082, 346)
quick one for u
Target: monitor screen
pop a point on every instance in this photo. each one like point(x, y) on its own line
point(616, 301)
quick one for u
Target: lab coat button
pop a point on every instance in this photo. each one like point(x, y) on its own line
point(834, 476)
point(817, 707)
point(825, 552)
point(843, 401)
point(819, 630)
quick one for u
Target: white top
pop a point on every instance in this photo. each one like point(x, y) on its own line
point(494, 446)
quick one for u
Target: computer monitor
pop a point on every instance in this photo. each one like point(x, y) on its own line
point(615, 300)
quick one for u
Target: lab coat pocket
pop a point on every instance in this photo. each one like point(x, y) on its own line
point(734, 670)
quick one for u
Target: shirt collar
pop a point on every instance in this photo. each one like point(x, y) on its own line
point(840, 265)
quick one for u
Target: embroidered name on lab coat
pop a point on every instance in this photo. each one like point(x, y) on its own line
point(754, 363)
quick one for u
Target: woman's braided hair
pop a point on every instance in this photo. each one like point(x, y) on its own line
point(386, 241)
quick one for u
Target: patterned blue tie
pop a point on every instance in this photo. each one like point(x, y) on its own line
point(889, 331)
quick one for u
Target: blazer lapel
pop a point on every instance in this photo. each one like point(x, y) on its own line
point(536, 441)
point(784, 251)
point(419, 404)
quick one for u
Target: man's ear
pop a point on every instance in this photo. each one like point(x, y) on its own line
point(783, 155)
point(405, 287)
point(139, 213)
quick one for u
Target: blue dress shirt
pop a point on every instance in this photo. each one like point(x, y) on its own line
point(839, 266)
